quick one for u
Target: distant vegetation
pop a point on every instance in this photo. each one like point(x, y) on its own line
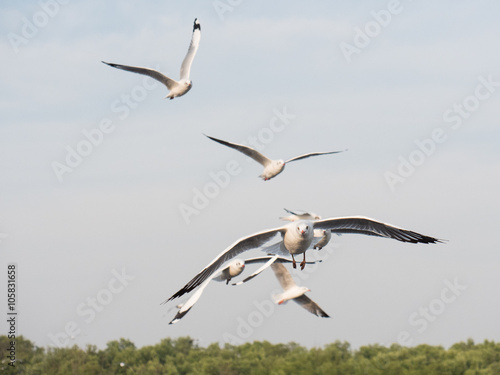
point(183, 356)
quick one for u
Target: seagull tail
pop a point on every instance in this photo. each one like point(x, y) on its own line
point(278, 298)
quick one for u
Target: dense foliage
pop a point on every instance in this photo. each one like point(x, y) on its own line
point(183, 356)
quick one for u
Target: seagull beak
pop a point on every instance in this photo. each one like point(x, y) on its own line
point(242, 266)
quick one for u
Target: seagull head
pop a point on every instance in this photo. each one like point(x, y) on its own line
point(236, 267)
point(303, 229)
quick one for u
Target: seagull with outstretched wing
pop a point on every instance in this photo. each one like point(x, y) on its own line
point(323, 235)
point(297, 237)
point(177, 88)
point(272, 168)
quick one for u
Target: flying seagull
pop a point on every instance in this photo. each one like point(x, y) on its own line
point(272, 168)
point(292, 291)
point(177, 88)
point(325, 235)
point(234, 268)
point(296, 238)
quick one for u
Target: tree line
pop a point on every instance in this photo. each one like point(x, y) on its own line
point(184, 356)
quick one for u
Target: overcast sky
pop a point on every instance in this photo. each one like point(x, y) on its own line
point(103, 232)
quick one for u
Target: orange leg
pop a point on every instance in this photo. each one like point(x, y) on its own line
point(303, 263)
point(294, 264)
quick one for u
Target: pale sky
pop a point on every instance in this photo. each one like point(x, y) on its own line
point(410, 88)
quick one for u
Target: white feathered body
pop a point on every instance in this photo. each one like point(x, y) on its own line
point(234, 269)
point(180, 88)
point(274, 168)
point(289, 294)
point(298, 237)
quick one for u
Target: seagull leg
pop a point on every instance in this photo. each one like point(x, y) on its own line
point(294, 264)
point(303, 263)
point(227, 281)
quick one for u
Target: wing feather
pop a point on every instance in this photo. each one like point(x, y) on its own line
point(190, 302)
point(312, 154)
point(283, 276)
point(364, 225)
point(270, 261)
point(248, 151)
point(169, 82)
point(243, 244)
point(311, 306)
point(193, 47)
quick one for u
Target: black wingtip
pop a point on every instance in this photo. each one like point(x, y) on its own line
point(196, 25)
point(179, 316)
point(431, 240)
point(212, 138)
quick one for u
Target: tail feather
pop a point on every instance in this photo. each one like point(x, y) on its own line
point(278, 298)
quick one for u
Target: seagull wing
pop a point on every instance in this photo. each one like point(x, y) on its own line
point(243, 244)
point(323, 240)
point(219, 276)
point(278, 260)
point(248, 151)
point(300, 215)
point(296, 213)
point(270, 260)
point(363, 225)
point(283, 276)
point(193, 47)
point(170, 83)
point(310, 306)
point(190, 302)
point(312, 154)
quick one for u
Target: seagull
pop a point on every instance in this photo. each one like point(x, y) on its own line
point(296, 238)
point(272, 168)
point(325, 235)
point(177, 88)
point(292, 291)
point(234, 268)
